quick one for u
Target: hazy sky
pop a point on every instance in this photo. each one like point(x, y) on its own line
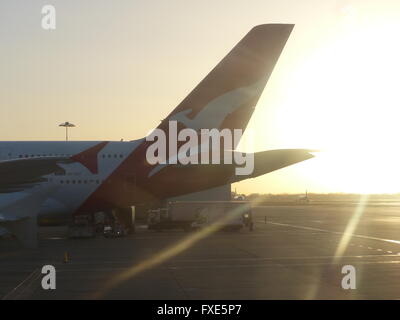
point(116, 68)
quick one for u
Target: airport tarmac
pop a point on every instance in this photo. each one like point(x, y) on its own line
point(292, 254)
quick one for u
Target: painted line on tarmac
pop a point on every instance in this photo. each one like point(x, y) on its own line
point(96, 265)
point(94, 273)
point(335, 232)
point(273, 265)
point(21, 288)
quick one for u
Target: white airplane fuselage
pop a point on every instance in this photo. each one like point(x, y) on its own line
point(59, 178)
point(77, 183)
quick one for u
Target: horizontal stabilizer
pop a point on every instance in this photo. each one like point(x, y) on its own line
point(268, 161)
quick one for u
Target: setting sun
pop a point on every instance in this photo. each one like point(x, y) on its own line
point(342, 100)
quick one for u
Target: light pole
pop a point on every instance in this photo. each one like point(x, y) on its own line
point(66, 125)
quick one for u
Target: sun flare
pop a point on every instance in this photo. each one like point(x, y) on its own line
point(344, 100)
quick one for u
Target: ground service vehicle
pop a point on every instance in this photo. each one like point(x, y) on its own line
point(187, 215)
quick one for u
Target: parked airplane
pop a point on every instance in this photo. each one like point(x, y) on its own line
point(58, 178)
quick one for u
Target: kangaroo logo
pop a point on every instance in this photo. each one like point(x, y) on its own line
point(215, 112)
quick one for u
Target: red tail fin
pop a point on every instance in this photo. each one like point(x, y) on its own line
point(226, 97)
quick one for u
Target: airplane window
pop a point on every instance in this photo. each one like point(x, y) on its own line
point(67, 181)
point(73, 181)
point(61, 181)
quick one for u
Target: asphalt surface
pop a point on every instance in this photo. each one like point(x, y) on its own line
point(295, 252)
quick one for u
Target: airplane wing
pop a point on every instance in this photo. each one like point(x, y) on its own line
point(19, 174)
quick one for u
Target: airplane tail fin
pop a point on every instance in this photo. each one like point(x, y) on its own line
point(226, 97)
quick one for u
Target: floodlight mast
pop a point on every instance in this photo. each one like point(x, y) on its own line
point(66, 125)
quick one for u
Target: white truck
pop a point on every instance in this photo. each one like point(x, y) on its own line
point(187, 215)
